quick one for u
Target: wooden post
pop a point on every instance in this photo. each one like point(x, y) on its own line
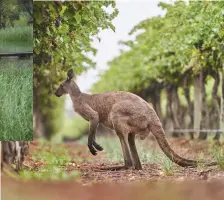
point(197, 102)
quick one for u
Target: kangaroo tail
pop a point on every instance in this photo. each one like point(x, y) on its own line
point(159, 134)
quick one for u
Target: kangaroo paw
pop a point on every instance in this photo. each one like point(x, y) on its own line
point(98, 147)
point(92, 150)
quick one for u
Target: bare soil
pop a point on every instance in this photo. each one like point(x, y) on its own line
point(96, 183)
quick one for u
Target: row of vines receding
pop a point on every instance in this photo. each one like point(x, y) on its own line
point(176, 62)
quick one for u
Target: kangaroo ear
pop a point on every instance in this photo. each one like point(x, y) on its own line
point(70, 74)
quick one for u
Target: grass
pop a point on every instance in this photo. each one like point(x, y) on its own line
point(14, 48)
point(149, 155)
point(16, 39)
point(112, 148)
point(22, 34)
point(54, 161)
point(218, 154)
point(167, 166)
point(16, 79)
point(49, 172)
point(55, 157)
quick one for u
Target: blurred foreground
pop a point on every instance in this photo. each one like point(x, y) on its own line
point(69, 171)
point(34, 190)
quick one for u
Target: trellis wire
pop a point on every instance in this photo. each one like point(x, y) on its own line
point(197, 130)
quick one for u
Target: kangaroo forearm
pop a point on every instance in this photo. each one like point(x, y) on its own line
point(92, 130)
point(91, 136)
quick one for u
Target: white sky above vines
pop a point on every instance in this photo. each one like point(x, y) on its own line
point(131, 12)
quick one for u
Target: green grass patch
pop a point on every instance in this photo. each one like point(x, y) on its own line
point(55, 160)
point(51, 172)
point(20, 34)
point(14, 48)
point(167, 166)
point(16, 79)
point(16, 39)
point(218, 154)
point(55, 157)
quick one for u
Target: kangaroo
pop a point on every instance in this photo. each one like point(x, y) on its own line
point(124, 112)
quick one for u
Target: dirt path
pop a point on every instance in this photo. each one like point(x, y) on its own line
point(91, 167)
point(95, 183)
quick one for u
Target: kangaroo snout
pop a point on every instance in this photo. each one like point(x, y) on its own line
point(56, 94)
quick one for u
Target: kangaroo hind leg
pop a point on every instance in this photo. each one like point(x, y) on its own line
point(134, 153)
point(126, 152)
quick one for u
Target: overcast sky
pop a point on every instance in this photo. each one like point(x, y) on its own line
point(131, 12)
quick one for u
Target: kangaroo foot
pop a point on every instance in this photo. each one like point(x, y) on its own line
point(97, 146)
point(92, 150)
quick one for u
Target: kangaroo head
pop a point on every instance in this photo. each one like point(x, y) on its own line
point(65, 87)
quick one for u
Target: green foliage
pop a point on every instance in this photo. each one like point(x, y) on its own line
point(188, 35)
point(16, 122)
point(62, 40)
point(12, 11)
point(65, 31)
